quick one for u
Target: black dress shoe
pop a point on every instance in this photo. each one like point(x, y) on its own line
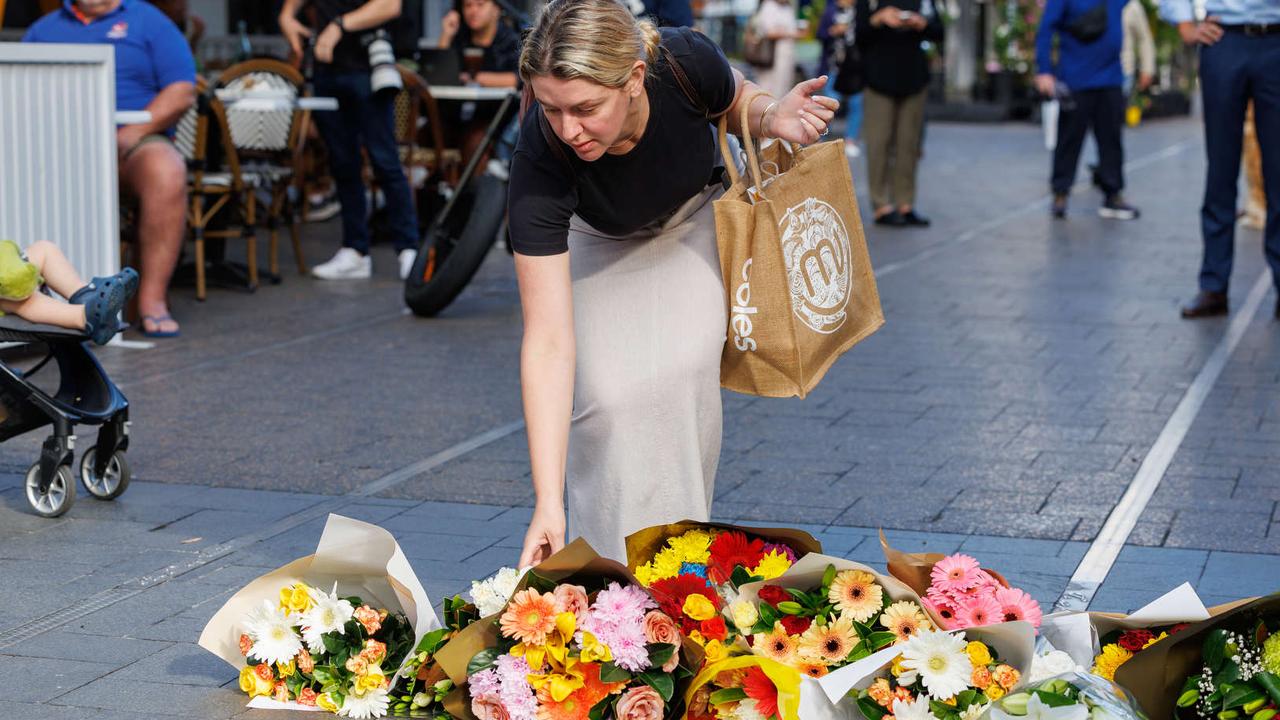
point(1206, 304)
point(892, 218)
point(911, 217)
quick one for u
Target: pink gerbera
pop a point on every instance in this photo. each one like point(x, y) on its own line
point(955, 573)
point(943, 611)
point(1017, 605)
point(978, 611)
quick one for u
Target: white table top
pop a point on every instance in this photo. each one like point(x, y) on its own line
point(465, 92)
point(132, 117)
point(270, 103)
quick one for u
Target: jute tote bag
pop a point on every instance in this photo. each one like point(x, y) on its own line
point(800, 286)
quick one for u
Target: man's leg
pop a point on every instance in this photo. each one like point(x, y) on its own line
point(1072, 125)
point(1108, 121)
point(1264, 59)
point(879, 131)
point(1224, 82)
point(157, 175)
point(340, 130)
point(379, 131)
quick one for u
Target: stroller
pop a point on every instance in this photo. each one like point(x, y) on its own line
point(85, 395)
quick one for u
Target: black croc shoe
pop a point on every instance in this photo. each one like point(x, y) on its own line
point(103, 299)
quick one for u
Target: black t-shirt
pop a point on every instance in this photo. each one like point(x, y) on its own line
point(503, 55)
point(620, 194)
point(350, 53)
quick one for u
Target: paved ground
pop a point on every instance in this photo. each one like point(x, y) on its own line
point(1026, 369)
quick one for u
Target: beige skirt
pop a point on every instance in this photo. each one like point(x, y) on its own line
point(649, 319)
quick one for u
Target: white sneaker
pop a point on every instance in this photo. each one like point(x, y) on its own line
point(406, 257)
point(852, 150)
point(347, 264)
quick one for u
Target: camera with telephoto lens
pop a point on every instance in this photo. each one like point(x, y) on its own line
point(383, 74)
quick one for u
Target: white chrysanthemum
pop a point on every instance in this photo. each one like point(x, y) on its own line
point(372, 704)
point(274, 638)
point(329, 614)
point(974, 711)
point(491, 595)
point(1053, 663)
point(941, 660)
point(917, 709)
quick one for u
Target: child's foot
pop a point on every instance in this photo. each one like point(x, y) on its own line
point(103, 299)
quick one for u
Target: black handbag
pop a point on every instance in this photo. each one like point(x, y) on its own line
point(1089, 25)
point(850, 75)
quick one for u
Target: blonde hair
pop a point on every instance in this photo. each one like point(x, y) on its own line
point(597, 40)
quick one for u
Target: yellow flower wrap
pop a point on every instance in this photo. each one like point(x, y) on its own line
point(786, 679)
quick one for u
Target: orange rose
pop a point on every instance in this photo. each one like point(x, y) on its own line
point(881, 693)
point(903, 694)
point(373, 651)
point(263, 671)
point(1006, 676)
point(572, 598)
point(357, 665)
point(489, 707)
point(640, 703)
point(305, 662)
point(369, 618)
point(660, 628)
point(245, 644)
point(307, 696)
point(281, 692)
point(981, 677)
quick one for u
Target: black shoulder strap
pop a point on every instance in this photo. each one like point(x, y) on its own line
point(683, 81)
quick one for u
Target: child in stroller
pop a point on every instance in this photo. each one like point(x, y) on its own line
point(85, 395)
point(94, 307)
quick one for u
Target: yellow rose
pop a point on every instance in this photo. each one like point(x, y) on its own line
point(369, 681)
point(295, 599)
point(744, 615)
point(978, 653)
point(285, 669)
point(715, 651)
point(697, 637)
point(252, 684)
point(324, 702)
point(994, 692)
point(698, 607)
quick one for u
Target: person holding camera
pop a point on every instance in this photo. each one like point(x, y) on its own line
point(1088, 80)
point(891, 34)
point(365, 118)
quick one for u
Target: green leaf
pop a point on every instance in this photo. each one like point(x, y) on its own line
point(611, 673)
point(859, 651)
point(1271, 683)
point(660, 681)
point(597, 711)
point(659, 654)
point(332, 643)
point(939, 709)
point(880, 640)
point(483, 660)
point(1215, 647)
point(432, 641)
point(1229, 674)
point(1053, 699)
point(741, 576)
point(862, 629)
point(727, 695)
point(828, 577)
point(540, 583)
point(966, 698)
point(1240, 695)
point(871, 709)
point(768, 615)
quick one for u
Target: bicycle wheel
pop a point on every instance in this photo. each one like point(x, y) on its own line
point(450, 257)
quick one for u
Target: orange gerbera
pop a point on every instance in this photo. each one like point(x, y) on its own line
point(579, 703)
point(812, 669)
point(529, 617)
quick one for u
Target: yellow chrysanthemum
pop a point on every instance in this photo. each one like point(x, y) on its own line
point(1112, 657)
point(772, 565)
point(1155, 640)
point(645, 575)
point(692, 547)
point(666, 564)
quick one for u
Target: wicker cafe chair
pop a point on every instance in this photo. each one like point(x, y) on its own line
point(270, 147)
point(211, 191)
point(418, 116)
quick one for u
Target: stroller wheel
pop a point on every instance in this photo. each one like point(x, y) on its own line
point(57, 498)
point(112, 483)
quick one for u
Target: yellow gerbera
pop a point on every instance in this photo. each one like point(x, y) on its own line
point(904, 619)
point(776, 645)
point(830, 643)
point(772, 565)
point(855, 592)
point(1112, 657)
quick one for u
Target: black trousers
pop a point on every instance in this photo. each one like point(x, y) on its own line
point(1103, 110)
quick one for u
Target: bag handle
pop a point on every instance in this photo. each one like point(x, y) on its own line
point(753, 163)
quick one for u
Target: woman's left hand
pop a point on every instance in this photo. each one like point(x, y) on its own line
point(802, 115)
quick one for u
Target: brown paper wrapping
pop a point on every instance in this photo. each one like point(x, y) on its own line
point(914, 568)
point(642, 545)
point(576, 563)
point(1155, 675)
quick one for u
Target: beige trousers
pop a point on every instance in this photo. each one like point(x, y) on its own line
point(649, 319)
point(892, 131)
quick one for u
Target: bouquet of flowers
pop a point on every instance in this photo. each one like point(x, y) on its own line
point(323, 650)
point(1120, 645)
point(963, 595)
point(825, 614)
point(580, 638)
point(1070, 696)
point(939, 675)
point(1239, 674)
point(745, 686)
point(331, 630)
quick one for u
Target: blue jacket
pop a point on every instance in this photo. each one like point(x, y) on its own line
point(1081, 66)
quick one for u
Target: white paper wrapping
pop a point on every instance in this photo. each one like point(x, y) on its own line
point(1078, 633)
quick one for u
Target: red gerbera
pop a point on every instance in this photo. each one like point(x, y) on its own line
point(760, 688)
point(672, 592)
point(796, 625)
point(728, 551)
point(773, 594)
point(1135, 640)
point(1179, 628)
point(714, 629)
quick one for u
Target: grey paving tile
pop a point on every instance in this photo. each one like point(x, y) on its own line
point(60, 645)
point(35, 680)
point(152, 697)
point(180, 664)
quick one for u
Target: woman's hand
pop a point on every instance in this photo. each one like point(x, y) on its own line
point(545, 536)
point(294, 32)
point(887, 16)
point(327, 41)
point(801, 116)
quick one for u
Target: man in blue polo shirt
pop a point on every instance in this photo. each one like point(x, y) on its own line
point(154, 72)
